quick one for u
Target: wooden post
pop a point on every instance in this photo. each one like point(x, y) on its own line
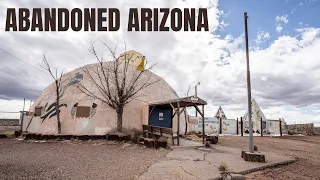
point(261, 127)
point(220, 124)
point(241, 125)
point(280, 126)
point(178, 113)
point(203, 133)
point(22, 116)
point(237, 126)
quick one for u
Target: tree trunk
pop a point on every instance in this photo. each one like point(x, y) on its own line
point(119, 119)
point(57, 108)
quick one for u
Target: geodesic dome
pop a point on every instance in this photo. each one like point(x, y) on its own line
point(84, 115)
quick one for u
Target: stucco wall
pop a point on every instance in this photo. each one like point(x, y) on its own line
point(306, 129)
point(316, 130)
point(212, 125)
point(9, 122)
point(102, 118)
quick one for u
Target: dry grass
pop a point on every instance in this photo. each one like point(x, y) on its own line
point(223, 167)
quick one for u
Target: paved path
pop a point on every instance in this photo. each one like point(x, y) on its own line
point(194, 163)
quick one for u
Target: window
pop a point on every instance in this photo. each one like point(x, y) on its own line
point(37, 111)
point(83, 111)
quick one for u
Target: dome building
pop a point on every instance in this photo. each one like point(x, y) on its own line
point(81, 114)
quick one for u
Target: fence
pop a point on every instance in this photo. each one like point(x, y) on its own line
point(214, 125)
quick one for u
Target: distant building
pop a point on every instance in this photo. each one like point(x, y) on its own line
point(268, 126)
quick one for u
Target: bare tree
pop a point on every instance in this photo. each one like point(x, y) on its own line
point(59, 89)
point(117, 82)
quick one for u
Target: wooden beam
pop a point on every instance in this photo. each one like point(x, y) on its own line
point(173, 114)
point(241, 125)
point(172, 106)
point(203, 132)
point(280, 126)
point(261, 127)
point(178, 109)
point(151, 110)
point(198, 110)
point(184, 108)
point(237, 126)
point(220, 125)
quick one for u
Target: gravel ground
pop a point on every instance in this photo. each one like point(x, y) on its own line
point(74, 160)
point(305, 148)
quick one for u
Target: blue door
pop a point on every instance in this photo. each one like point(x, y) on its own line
point(160, 117)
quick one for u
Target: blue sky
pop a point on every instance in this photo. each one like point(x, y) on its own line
point(262, 14)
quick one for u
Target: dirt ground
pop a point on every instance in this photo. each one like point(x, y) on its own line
point(74, 160)
point(305, 148)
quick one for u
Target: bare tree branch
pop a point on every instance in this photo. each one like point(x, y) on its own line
point(117, 82)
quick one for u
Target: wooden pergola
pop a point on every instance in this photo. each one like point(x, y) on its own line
point(179, 106)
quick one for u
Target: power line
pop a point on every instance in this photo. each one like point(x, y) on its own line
point(22, 61)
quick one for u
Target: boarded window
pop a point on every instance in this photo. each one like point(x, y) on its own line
point(37, 111)
point(83, 111)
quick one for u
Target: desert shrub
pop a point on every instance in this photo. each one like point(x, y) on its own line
point(207, 143)
point(223, 167)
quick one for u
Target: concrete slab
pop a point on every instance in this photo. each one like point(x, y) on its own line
point(232, 157)
point(187, 143)
point(175, 169)
point(193, 163)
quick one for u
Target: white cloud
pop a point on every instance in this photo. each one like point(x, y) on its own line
point(284, 74)
point(262, 37)
point(280, 21)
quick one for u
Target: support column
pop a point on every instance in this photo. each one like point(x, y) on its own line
point(203, 133)
point(220, 125)
point(280, 126)
point(261, 127)
point(241, 125)
point(237, 126)
point(178, 129)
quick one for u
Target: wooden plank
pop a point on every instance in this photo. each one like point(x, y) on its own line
point(198, 110)
point(151, 110)
point(178, 109)
point(203, 132)
point(184, 108)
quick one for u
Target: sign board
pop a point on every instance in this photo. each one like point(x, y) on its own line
point(194, 99)
point(160, 116)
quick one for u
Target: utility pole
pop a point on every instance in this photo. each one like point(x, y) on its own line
point(248, 84)
point(196, 94)
point(22, 116)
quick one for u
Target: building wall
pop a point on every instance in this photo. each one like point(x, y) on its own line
point(9, 122)
point(306, 129)
point(229, 126)
point(316, 130)
point(101, 118)
point(212, 125)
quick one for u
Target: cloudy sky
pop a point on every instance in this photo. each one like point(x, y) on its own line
point(284, 40)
